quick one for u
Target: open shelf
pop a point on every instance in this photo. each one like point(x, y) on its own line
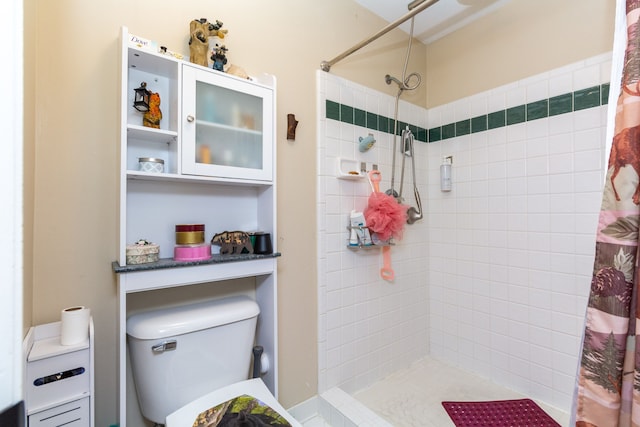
point(151, 134)
point(194, 179)
point(167, 273)
point(171, 263)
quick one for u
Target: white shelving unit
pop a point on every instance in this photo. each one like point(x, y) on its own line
point(228, 190)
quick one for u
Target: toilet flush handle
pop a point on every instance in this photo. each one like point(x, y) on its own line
point(165, 346)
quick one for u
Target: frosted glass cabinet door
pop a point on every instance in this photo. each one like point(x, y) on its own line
point(227, 126)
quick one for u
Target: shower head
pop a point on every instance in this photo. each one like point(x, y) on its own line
point(388, 79)
point(406, 85)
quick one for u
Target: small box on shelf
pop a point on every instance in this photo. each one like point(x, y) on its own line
point(142, 43)
point(142, 252)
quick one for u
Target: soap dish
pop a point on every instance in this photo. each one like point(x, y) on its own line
point(351, 169)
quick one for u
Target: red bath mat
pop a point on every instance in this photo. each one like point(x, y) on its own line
point(499, 413)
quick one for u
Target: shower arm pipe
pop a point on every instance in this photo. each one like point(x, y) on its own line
point(326, 65)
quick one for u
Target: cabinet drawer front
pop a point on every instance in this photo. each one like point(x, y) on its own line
point(72, 414)
point(48, 393)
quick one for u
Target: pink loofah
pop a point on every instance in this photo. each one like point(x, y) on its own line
point(384, 215)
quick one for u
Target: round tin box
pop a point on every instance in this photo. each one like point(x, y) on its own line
point(151, 164)
point(189, 227)
point(192, 252)
point(189, 237)
point(189, 234)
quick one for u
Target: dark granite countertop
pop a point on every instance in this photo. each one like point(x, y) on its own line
point(171, 263)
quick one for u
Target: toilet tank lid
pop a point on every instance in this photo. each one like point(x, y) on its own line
point(184, 319)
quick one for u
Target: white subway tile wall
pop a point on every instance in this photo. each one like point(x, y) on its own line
point(495, 278)
point(368, 327)
point(510, 303)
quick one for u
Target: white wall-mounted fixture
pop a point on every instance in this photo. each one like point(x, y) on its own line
point(445, 173)
point(351, 169)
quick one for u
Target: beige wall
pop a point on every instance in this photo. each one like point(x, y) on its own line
point(522, 39)
point(73, 83)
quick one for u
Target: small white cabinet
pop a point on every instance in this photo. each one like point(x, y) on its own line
point(59, 379)
point(216, 139)
point(227, 126)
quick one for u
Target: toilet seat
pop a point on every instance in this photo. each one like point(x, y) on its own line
point(186, 415)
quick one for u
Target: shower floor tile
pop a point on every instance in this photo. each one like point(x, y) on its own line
point(412, 397)
point(316, 422)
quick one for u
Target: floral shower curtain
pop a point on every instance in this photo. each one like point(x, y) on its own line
point(608, 383)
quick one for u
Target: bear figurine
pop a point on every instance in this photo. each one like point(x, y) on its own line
point(233, 242)
point(199, 32)
point(219, 57)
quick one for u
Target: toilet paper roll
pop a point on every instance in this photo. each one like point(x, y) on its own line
point(75, 325)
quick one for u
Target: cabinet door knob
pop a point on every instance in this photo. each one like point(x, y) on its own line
point(190, 118)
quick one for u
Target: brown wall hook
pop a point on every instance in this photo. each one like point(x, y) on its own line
point(292, 123)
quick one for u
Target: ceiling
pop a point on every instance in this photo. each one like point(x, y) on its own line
point(437, 20)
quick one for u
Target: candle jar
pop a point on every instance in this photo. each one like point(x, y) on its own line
point(151, 164)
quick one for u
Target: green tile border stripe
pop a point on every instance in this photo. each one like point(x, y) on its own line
point(354, 116)
point(590, 97)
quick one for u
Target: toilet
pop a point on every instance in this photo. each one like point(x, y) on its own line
point(187, 360)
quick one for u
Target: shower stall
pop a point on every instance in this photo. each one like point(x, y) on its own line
point(494, 279)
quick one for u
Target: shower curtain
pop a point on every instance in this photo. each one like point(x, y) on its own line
point(608, 381)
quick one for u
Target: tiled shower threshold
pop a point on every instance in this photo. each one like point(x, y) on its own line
point(336, 408)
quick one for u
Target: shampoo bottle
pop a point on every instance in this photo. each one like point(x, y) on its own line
point(353, 236)
point(360, 235)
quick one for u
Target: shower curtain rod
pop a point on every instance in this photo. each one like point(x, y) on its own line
point(326, 65)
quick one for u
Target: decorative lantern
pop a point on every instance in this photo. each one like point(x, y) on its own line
point(141, 98)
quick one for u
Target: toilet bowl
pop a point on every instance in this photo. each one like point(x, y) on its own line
point(190, 414)
point(186, 358)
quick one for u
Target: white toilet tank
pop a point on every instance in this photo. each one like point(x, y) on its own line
point(181, 353)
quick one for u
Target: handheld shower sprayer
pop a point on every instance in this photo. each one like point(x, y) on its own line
point(413, 214)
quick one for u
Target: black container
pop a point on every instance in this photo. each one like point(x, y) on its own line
point(263, 245)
